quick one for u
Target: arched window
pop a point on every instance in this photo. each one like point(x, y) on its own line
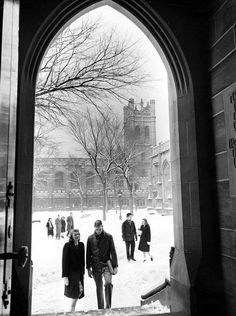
point(147, 132)
point(59, 180)
point(73, 180)
point(90, 179)
point(137, 131)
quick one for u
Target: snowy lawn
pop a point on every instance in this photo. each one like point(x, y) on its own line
point(132, 280)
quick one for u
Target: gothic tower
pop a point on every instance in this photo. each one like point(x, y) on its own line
point(140, 130)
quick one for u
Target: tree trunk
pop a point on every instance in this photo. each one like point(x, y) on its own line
point(82, 204)
point(131, 200)
point(104, 200)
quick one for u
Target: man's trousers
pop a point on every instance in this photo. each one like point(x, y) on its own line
point(98, 278)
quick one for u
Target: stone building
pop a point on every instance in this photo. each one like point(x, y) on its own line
point(140, 129)
point(161, 184)
point(196, 41)
point(55, 185)
point(72, 184)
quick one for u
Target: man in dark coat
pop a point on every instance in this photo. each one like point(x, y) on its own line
point(101, 262)
point(129, 235)
point(70, 223)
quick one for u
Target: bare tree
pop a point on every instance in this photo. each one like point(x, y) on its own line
point(78, 178)
point(44, 145)
point(97, 134)
point(84, 67)
point(126, 165)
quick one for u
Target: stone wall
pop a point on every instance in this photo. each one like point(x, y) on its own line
point(223, 84)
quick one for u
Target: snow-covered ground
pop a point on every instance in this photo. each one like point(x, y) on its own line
point(132, 280)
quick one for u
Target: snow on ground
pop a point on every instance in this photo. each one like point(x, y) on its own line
point(133, 278)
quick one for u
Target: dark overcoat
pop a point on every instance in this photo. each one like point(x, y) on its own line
point(73, 266)
point(100, 249)
point(63, 225)
point(129, 231)
point(145, 237)
point(50, 228)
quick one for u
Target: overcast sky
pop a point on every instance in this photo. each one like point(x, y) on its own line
point(157, 89)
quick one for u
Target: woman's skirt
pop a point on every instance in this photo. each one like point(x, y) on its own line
point(143, 246)
point(75, 289)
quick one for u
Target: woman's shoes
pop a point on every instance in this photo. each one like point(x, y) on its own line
point(144, 260)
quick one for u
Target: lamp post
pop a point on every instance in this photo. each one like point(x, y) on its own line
point(119, 194)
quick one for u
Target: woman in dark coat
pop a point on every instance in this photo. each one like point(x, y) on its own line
point(63, 227)
point(50, 227)
point(145, 239)
point(73, 268)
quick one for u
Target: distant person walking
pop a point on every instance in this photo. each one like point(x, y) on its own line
point(101, 262)
point(70, 223)
point(73, 264)
point(129, 235)
point(50, 228)
point(58, 227)
point(145, 239)
point(63, 227)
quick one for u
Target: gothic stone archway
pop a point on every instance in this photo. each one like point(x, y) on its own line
point(40, 22)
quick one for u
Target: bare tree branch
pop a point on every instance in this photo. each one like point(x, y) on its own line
point(84, 67)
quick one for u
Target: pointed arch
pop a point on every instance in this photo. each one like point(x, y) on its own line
point(35, 45)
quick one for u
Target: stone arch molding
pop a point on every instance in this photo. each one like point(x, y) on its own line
point(138, 12)
point(181, 97)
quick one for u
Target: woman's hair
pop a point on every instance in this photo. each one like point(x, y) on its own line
point(145, 221)
point(71, 239)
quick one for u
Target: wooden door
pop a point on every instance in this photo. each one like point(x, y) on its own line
point(8, 101)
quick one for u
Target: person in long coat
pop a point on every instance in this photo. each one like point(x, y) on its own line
point(73, 266)
point(145, 239)
point(63, 227)
point(58, 227)
point(70, 223)
point(129, 236)
point(50, 228)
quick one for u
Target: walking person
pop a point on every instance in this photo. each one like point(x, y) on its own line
point(73, 264)
point(63, 227)
point(50, 228)
point(70, 223)
point(145, 239)
point(129, 235)
point(101, 262)
point(58, 227)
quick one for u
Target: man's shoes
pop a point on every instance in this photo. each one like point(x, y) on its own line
point(128, 259)
point(144, 260)
point(133, 259)
point(151, 258)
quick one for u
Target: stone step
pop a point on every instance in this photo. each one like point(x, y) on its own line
point(131, 311)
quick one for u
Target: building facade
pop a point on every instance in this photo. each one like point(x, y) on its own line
point(71, 183)
point(161, 183)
